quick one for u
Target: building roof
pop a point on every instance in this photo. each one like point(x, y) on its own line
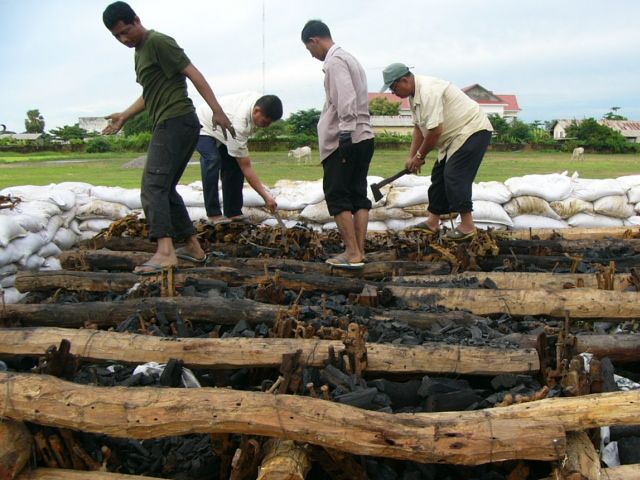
point(486, 97)
point(21, 136)
point(404, 102)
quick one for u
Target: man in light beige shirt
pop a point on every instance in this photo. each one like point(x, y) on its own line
point(446, 119)
point(346, 141)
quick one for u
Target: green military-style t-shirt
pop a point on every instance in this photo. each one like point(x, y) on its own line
point(158, 63)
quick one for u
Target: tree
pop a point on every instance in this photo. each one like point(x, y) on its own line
point(613, 114)
point(138, 124)
point(70, 132)
point(34, 122)
point(382, 106)
point(273, 131)
point(520, 131)
point(500, 125)
point(589, 133)
point(304, 121)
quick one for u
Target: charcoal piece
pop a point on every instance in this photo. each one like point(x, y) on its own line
point(382, 400)
point(380, 470)
point(431, 386)
point(172, 374)
point(334, 377)
point(240, 379)
point(608, 381)
point(133, 380)
point(361, 399)
point(506, 381)
point(629, 450)
point(240, 327)
point(181, 328)
point(489, 284)
point(401, 394)
point(475, 332)
point(451, 402)
point(130, 324)
point(621, 431)
point(156, 332)
point(262, 330)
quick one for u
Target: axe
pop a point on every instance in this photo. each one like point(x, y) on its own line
point(375, 187)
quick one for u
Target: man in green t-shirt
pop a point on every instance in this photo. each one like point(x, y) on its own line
point(162, 68)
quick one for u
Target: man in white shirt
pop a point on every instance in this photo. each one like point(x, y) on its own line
point(346, 141)
point(228, 157)
point(446, 119)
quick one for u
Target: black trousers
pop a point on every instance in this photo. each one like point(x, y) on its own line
point(172, 144)
point(232, 183)
point(345, 180)
point(452, 178)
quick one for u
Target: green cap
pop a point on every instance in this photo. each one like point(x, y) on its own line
point(392, 73)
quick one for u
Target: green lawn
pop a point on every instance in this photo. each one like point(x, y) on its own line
point(106, 169)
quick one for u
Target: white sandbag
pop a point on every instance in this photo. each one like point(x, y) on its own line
point(102, 209)
point(632, 221)
point(591, 190)
point(8, 269)
point(8, 281)
point(551, 187)
point(51, 264)
point(529, 205)
point(272, 222)
point(251, 198)
point(629, 180)
point(38, 208)
point(491, 192)
point(62, 198)
point(523, 222)
point(197, 213)
point(31, 223)
point(11, 295)
point(382, 214)
point(190, 196)
point(29, 244)
point(491, 212)
point(256, 215)
point(68, 216)
point(384, 190)
point(637, 207)
point(489, 225)
point(398, 225)
point(32, 262)
point(9, 255)
point(65, 239)
point(582, 220)
point(305, 192)
point(316, 213)
point(633, 194)
point(613, 206)
point(55, 223)
point(423, 181)
point(400, 197)
point(74, 226)
point(420, 210)
point(329, 226)
point(94, 225)
point(289, 199)
point(86, 235)
point(79, 188)
point(130, 197)
point(49, 250)
point(377, 227)
point(571, 206)
point(9, 230)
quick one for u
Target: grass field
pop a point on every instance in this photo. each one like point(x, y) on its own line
point(106, 168)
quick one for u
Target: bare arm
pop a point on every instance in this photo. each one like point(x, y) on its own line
point(422, 144)
point(252, 177)
point(204, 89)
point(117, 120)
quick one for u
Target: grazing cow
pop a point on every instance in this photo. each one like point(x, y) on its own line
point(578, 153)
point(300, 153)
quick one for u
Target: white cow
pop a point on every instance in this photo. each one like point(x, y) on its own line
point(578, 153)
point(300, 153)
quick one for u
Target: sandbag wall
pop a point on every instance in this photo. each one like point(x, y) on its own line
point(49, 219)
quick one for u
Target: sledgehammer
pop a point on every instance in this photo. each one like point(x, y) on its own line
point(375, 187)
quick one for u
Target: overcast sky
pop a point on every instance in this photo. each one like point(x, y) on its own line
point(570, 59)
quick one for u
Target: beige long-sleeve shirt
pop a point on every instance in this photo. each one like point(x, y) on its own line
point(346, 106)
point(436, 102)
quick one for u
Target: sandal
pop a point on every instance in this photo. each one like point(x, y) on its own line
point(340, 261)
point(423, 227)
point(218, 221)
point(183, 254)
point(149, 268)
point(458, 236)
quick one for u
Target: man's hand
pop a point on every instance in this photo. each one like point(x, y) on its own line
point(345, 145)
point(271, 203)
point(414, 164)
point(116, 122)
point(221, 120)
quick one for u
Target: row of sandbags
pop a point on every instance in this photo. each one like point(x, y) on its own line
point(49, 219)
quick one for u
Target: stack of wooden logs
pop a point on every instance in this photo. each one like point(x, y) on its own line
point(308, 429)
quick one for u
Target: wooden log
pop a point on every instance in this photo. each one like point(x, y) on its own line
point(375, 270)
point(582, 461)
point(624, 263)
point(425, 320)
point(211, 310)
point(559, 246)
point(284, 460)
point(65, 474)
point(623, 472)
point(15, 448)
point(267, 352)
point(468, 438)
point(580, 303)
point(523, 280)
point(572, 233)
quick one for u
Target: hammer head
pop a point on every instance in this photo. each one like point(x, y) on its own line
point(375, 190)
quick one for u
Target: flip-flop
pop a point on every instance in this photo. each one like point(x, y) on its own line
point(422, 227)
point(148, 268)
point(183, 254)
point(219, 221)
point(458, 236)
point(242, 219)
point(339, 261)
